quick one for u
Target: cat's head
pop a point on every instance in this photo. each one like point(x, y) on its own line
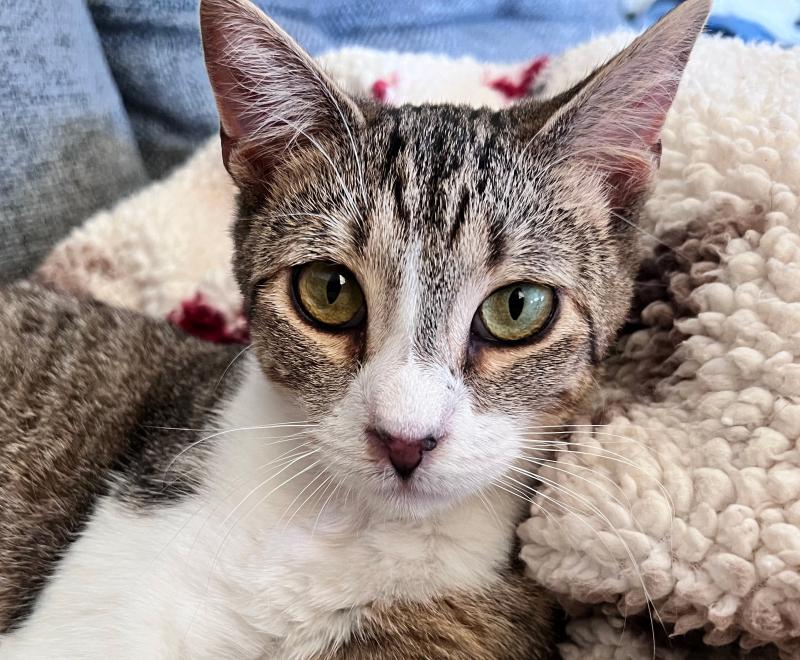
point(432, 282)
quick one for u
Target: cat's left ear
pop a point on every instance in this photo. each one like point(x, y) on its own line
point(272, 98)
point(611, 123)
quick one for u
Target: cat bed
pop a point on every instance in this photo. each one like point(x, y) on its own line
point(678, 492)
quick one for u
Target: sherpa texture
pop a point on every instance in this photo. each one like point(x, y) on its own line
point(683, 487)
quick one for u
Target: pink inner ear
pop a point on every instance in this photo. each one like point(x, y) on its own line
point(624, 141)
point(229, 84)
point(271, 96)
point(653, 112)
point(627, 182)
point(615, 122)
point(231, 94)
point(229, 104)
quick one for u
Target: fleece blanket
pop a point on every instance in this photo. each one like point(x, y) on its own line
point(676, 498)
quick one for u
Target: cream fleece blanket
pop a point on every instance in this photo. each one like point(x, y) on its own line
point(683, 487)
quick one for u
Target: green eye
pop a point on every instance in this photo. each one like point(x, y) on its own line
point(516, 312)
point(329, 294)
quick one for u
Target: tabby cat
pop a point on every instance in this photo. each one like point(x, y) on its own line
point(423, 286)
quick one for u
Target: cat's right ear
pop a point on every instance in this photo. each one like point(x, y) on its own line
point(610, 124)
point(271, 96)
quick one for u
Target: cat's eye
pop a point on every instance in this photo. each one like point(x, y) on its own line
point(515, 313)
point(329, 295)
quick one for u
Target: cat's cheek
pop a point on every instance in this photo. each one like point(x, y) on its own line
point(541, 384)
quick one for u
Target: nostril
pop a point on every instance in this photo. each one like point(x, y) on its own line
point(428, 443)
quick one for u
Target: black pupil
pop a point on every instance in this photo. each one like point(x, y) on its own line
point(516, 302)
point(335, 283)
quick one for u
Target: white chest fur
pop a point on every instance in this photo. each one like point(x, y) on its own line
point(250, 568)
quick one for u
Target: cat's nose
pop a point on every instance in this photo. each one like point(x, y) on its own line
point(405, 454)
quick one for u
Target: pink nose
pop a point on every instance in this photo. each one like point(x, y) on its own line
point(405, 454)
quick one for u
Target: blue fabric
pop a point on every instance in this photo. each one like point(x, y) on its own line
point(67, 145)
point(98, 96)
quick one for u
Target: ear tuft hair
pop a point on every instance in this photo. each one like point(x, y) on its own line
point(270, 94)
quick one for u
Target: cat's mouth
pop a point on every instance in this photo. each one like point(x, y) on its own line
point(413, 497)
point(417, 493)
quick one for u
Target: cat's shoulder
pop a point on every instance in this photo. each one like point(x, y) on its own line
point(75, 350)
point(73, 366)
point(90, 397)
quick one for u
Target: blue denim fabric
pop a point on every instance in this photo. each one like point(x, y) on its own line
point(67, 146)
point(767, 20)
point(97, 96)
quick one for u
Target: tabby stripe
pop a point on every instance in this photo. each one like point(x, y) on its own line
point(396, 145)
point(594, 355)
point(461, 212)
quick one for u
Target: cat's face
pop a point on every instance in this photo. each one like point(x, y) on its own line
point(431, 283)
point(428, 213)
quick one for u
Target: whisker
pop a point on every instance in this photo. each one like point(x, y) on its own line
point(531, 501)
point(230, 364)
point(264, 483)
point(303, 503)
point(600, 453)
point(558, 467)
point(275, 489)
point(322, 508)
point(276, 462)
point(568, 536)
point(604, 454)
point(489, 508)
point(563, 507)
point(228, 533)
point(594, 432)
point(234, 429)
point(196, 443)
point(226, 537)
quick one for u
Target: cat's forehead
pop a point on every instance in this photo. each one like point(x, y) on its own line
point(438, 193)
point(436, 144)
point(461, 191)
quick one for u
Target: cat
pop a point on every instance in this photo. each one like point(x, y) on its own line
point(424, 285)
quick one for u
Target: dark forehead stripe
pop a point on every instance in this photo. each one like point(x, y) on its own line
point(497, 244)
point(460, 215)
point(487, 150)
point(428, 146)
point(445, 148)
point(431, 160)
point(360, 229)
point(395, 146)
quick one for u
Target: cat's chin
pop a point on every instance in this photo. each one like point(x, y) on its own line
point(416, 498)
